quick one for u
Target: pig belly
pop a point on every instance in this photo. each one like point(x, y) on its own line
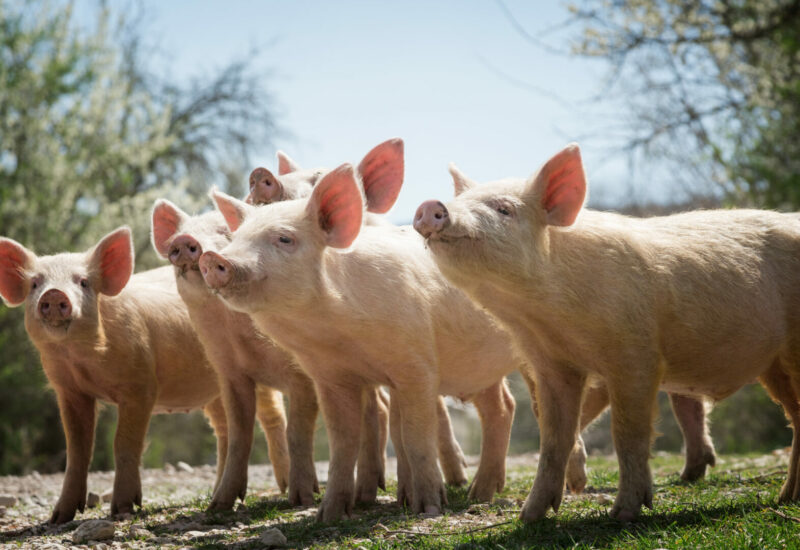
point(716, 377)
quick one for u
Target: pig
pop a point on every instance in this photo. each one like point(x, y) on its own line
point(380, 174)
point(105, 334)
point(246, 360)
point(380, 314)
point(698, 304)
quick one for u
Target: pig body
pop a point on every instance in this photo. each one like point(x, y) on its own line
point(332, 311)
point(136, 350)
point(698, 303)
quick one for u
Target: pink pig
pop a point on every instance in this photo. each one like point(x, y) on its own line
point(105, 335)
point(698, 304)
point(379, 314)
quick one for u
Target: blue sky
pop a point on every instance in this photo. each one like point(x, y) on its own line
point(452, 78)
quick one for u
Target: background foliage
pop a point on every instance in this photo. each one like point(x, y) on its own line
point(90, 136)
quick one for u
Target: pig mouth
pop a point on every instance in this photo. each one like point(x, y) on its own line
point(194, 267)
point(57, 327)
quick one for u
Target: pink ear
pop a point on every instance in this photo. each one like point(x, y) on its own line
point(166, 220)
point(461, 182)
point(562, 186)
point(336, 203)
point(14, 260)
point(381, 172)
point(233, 210)
point(112, 259)
point(285, 164)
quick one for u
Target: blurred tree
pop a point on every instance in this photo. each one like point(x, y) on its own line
point(89, 137)
point(713, 86)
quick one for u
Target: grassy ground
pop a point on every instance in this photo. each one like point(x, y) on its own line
point(734, 507)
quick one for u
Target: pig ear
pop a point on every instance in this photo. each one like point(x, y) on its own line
point(560, 186)
point(112, 260)
point(285, 164)
point(381, 172)
point(166, 220)
point(461, 182)
point(15, 260)
point(337, 206)
point(233, 210)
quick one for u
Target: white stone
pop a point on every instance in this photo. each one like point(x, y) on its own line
point(273, 538)
point(94, 529)
point(183, 467)
point(8, 500)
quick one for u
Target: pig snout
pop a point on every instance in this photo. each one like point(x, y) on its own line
point(264, 188)
point(184, 252)
point(54, 306)
point(431, 218)
point(216, 270)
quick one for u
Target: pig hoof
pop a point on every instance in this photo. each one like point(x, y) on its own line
point(220, 505)
point(483, 490)
point(625, 516)
point(432, 511)
point(539, 502)
point(333, 508)
point(576, 483)
point(62, 515)
point(301, 497)
point(697, 468)
point(367, 486)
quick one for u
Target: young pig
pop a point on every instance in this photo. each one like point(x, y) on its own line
point(103, 337)
point(244, 359)
point(698, 303)
point(380, 314)
point(380, 174)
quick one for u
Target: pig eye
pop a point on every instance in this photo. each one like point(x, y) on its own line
point(35, 285)
point(84, 283)
point(285, 240)
point(503, 210)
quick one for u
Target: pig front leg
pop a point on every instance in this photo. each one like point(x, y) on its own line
point(691, 416)
point(215, 412)
point(496, 410)
point(78, 417)
point(633, 400)
point(239, 399)
point(559, 389)
point(341, 406)
point(370, 470)
point(134, 418)
point(451, 458)
point(272, 417)
point(303, 409)
point(417, 407)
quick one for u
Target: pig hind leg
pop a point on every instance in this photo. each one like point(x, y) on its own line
point(451, 458)
point(371, 462)
point(272, 417)
point(784, 390)
point(215, 413)
point(403, 468)
point(690, 413)
point(303, 410)
point(496, 410)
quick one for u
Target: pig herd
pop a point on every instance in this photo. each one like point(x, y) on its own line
point(304, 290)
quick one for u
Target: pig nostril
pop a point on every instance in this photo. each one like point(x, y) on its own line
point(45, 306)
point(221, 268)
point(192, 249)
point(173, 252)
point(438, 216)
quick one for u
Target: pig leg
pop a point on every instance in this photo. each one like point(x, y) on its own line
point(633, 404)
point(239, 399)
point(496, 410)
point(78, 418)
point(559, 389)
point(417, 405)
point(783, 390)
point(215, 412)
point(691, 416)
point(303, 411)
point(451, 458)
point(134, 418)
point(403, 468)
point(383, 427)
point(272, 417)
point(341, 406)
point(594, 402)
point(370, 473)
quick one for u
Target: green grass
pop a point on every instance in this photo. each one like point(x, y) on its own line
point(734, 507)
